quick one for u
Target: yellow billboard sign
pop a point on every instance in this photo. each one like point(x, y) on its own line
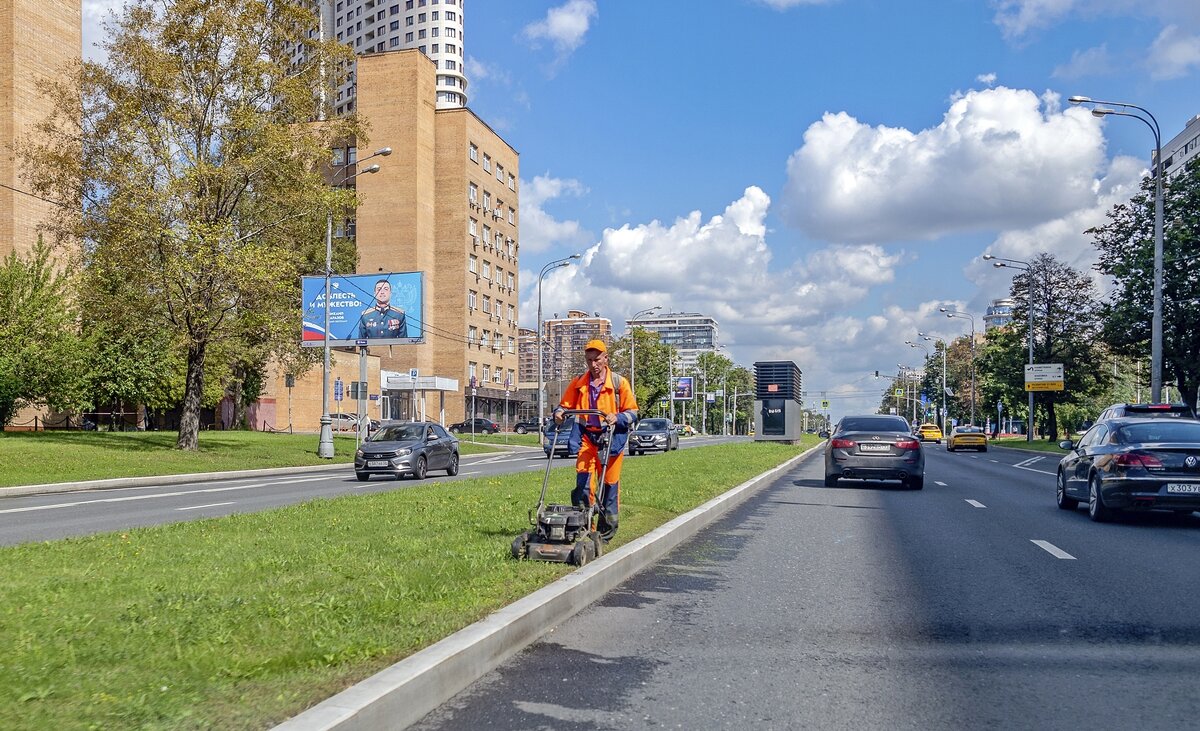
point(1044, 377)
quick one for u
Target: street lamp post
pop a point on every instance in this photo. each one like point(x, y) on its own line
point(911, 344)
point(1000, 263)
point(1156, 334)
point(633, 341)
point(565, 261)
point(966, 316)
point(943, 344)
point(325, 441)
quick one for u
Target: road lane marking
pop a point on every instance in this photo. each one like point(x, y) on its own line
point(210, 505)
point(34, 508)
point(939, 482)
point(476, 472)
point(1052, 549)
point(976, 503)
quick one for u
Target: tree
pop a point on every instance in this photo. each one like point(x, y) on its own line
point(1126, 246)
point(650, 374)
point(41, 353)
point(1066, 330)
point(199, 177)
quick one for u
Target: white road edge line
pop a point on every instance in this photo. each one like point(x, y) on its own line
point(210, 505)
point(976, 503)
point(1052, 549)
point(1040, 472)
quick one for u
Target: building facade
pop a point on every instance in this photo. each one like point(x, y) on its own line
point(998, 314)
point(445, 203)
point(562, 354)
point(690, 333)
point(37, 38)
point(1180, 150)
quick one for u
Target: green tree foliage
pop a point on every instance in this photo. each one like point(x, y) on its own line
point(1126, 246)
point(41, 353)
point(199, 176)
point(650, 374)
point(1066, 326)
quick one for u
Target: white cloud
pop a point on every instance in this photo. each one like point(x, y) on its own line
point(95, 14)
point(1001, 158)
point(1018, 17)
point(565, 26)
point(988, 79)
point(1174, 53)
point(1091, 62)
point(539, 230)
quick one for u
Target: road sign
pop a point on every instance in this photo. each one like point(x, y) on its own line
point(824, 404)
point(338, 390)
point(898, 393)
point(1044, 377)
point(412, 373)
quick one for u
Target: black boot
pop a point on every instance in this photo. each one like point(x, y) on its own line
point(607, 526)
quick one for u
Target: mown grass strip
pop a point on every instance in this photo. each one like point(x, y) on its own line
point(1037, 445)
point(35, 458)
point(244, 621)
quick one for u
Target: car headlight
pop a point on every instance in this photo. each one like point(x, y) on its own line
point(404, 452)
point(358, 454)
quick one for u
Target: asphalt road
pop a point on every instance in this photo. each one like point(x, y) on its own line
point(85, 512)
point(974, 603)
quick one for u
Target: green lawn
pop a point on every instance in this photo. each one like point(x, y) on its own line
point(242, 622)
point(34, 458)
point(1037, 445)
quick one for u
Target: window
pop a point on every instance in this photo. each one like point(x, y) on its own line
point(487, 197)
point(512, 214)
point(512, 182)
point(499, 241)
point(496, 374)
point(421, 35)
point(433, 32)
point(487, 272)
point(450, 48)
point(471, 367)
point(450, 15)
point(394, 25)
point(510, 286)
point(408, 22)
point(487, 304)
point(483, 340)
point(434, 49)
point(472, 263)
point(351, 155)
point(394, 10)
point(421, 18)
point(474, 153)
point(450, 32)
point(471, 299)
point(511, 314)
point(339, 156)
point(487, 235)
point(452, 65)
point(408, 37)
point(472, 335)
point(511, 252)
point(422, 48)
point(472, 227)
point(487, 372)
point(472, 193)
point(500, 281)
point(500, 172)
point(433, 15)
point(487, 163)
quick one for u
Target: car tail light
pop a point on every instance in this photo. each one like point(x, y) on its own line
point(908, 444)
point(1139, 459)
point(842, 443)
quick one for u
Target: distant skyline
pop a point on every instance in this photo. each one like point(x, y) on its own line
point(818, 176)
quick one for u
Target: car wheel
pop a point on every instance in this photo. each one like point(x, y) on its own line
point(983, 449)
point(452, 469)
point(831, 480)
point(915, 483)
point(421, 469)
point(1065, 501)
point(362, 476)
point(520, 546)
point(1097, 510)
point(520, 430)
point(455, 430)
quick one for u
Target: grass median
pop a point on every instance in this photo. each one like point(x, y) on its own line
point(242, 622)
point(35, 458)
point(1037, 445)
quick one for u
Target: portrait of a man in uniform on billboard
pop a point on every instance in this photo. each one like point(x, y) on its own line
point(382, 320)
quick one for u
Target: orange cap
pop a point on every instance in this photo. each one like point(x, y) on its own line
point(596, 345)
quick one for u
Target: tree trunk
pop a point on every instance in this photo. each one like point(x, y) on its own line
point(1051, 420)
point(193, 392)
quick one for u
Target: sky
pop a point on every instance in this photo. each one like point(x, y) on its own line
point(819, 176)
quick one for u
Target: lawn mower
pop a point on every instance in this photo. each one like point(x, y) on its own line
point(566, 533)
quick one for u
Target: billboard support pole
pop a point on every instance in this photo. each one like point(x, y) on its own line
point(363, 419)
point(325, 445)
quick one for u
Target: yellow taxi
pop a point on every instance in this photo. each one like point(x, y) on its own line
point(967, 436)
point(930, 433)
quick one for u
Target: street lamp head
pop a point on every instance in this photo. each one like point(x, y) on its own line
point(987, 257)
point(574, 256)
point(1100, 112)
point(1079, 99)
point(371, 169)
point(943, 309)
point(999, 264)
point(384, 151)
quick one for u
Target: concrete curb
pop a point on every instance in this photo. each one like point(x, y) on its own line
point(404, 693)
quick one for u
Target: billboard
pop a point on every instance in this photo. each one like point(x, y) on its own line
point(682, 390)
point(384, 309)
point(1044, 377)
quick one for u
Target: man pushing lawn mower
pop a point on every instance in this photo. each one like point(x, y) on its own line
point(601, 390)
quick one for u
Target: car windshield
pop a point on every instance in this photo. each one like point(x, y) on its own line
point(653, 425)
point(399, 433)
point(870, 423)
point(1161, 431)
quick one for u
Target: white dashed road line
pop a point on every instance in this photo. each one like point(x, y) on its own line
point(976, 503)
point(1052, 549)
point(939, 482)
point(210, 505)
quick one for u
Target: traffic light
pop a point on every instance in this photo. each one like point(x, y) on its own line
point(877, 374)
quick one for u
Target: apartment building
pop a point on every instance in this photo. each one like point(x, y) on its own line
point(690, 333)
point(1180, 149)
point(37, 37)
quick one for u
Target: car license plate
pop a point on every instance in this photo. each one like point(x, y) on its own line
point(868, 447)
point(1183, 488)
point(378, 463)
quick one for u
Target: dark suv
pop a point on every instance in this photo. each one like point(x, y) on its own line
point(526, 425)
point(1176, 411)
point(475, 426)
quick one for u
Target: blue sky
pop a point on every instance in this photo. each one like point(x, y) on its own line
point(818, 175)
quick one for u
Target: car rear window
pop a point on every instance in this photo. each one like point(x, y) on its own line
point(1176, 410)
point(968, 429)
point(874, 423)
point(1163, 431)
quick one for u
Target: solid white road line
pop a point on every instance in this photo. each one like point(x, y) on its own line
point(210, 505)
point(976, 503)
point(1052, 549)
point(939, 482)
point(35, 508)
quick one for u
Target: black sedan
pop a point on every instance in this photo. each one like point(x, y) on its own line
point(1132, 464)
point(874, 447)
point(525, 426)
point(475, 426)
point(409, 448)
point(653, 434)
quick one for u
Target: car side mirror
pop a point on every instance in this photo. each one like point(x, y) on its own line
point(1066, 444)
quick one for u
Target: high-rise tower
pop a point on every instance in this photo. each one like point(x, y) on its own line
point(37, 38)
